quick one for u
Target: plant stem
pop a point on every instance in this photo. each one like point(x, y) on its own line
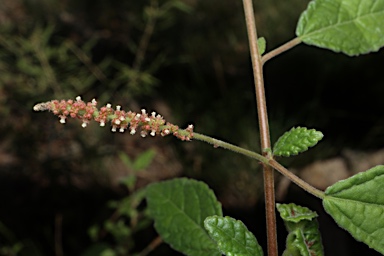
point(301, 183)
point(267, 161)
point(288, 45)
point(269, 189)
point(218, 143)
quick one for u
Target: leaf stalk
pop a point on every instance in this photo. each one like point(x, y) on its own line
point(288, 45)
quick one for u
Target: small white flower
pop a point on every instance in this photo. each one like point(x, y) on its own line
point(133, 131)
point(109, 105)
point(113, 129)
point(62, 120)
point(118, 107)
point(102, 123)
point(153, 133)
point(78, 98)
point(121, 129)
point(117, 122)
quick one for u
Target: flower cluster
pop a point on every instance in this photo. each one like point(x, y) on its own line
point(120, 120)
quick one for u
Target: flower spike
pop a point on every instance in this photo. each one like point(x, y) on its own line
point(120, 120)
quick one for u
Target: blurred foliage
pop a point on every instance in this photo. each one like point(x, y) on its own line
point(129, 216)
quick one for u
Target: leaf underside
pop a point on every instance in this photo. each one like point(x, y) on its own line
point(353, 27)
point(357, 205)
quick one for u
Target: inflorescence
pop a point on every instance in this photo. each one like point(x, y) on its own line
point(120, 120)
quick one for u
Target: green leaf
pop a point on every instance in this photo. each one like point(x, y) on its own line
point(292, 213)
point(296, 140)
point(304, 238)
point(179, 208)
point(232, 236)
point(357, 205)
point(144, 160)
point(261, 44)
point(125, 159)
point(350, 26)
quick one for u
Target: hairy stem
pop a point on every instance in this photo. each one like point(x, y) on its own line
point(288, 45)
point(269, 190)
point(265, 160)
point(218, 143)
point(301, 183)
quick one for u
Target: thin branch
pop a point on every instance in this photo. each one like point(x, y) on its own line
point(156, 242)
point(218, 143)
point(288, 45)
point(82, 56)
point(301, 183)
point(145, 38)
point(265, 160)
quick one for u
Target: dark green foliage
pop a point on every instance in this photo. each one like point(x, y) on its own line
point(304, 237)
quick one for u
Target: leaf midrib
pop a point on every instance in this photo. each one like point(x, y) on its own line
point(339, 24)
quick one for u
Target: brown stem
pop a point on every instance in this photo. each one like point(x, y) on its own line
point(288, 45)
point(156, 242)
point(58, 234)
point(269, 189)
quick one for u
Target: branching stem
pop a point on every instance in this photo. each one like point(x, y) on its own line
point(269, 189)
point(288, 45)
point(263, 159)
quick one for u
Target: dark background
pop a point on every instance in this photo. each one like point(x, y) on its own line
point(189, 61)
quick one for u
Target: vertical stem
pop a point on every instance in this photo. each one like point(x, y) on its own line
point(269, 189)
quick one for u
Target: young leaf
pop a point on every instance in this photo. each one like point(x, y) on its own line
point(179, 208)
point(304, 238)
point(261, 44)
point(357, 205)
point(232, 236)
point(350, 26)
point(292, 213)
point(295, 141)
